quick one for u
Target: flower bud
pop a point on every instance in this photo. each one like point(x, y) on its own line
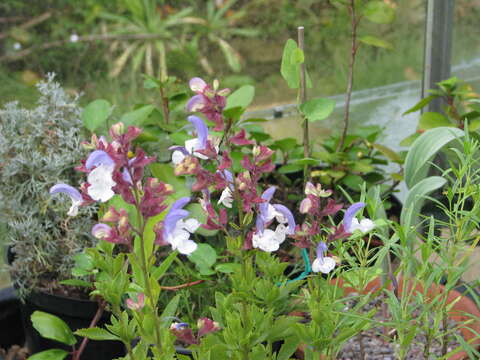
point(117, 129)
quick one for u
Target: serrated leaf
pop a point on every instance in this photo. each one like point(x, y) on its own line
point(96, 333)
point(317, 109)
point(52, 327)
point(137, 117)
point(375, 41)
point(379, 12)
point(96, 114)
point(420, 105)
point(52, 354)
point(430, 120)
point(242, 97)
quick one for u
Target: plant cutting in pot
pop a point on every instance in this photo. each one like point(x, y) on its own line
point(38, 147)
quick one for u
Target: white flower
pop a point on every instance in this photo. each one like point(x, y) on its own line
point(226, 198)
point(74, 38)
point(179, 238)
point(270, 240)
point(323, 264)
point(365, 225)
point(101, 183)
point(17, 46)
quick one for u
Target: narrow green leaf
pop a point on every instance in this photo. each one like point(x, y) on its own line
point(164, 265)
point(379, 12)
point(228, 268)
point(96, 114)
point(96, 333)
point(423, 149)
point(170, 310)
point(52, 327)
point(416, 197)
point(422, 103)
point(290, 168)
point(374, 41)
point(388, 153)
point(242, 97)
point(77, 282)
point(52, 354)
point(317, 109)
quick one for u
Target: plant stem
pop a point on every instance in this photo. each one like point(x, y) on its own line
point(165, 106)
point(93, 323)
point(353, 53)
point(302, 97)
point(445, 334)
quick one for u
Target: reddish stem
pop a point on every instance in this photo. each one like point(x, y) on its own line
point(93, 323)
point(182, 286)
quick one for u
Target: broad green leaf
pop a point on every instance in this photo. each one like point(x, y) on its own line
point(379, 12)
point(353, 182)
point(388, 153)
point(317, 109)
point(165, 173)
point(420, 105)
point(286, 144)
point(52, 327)
point(204, 258)
point(96, 114)
point(375, 41)
point(241, 97)
point(430, 120)
point(474, 125)
point(424, 149)
point(416, 197)
point(96, 333)
point(306, 161)
point(52, 354)
point(138, 116)
point(228, 268)
point(409, 140)
point(291, 60)
point(197, 212)
point(290, 168)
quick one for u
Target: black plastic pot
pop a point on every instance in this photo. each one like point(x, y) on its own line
point(11, 329)
point(77, 314)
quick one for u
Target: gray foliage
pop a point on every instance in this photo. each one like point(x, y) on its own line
point(40, 147)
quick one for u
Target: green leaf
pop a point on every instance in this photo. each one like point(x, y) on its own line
point(374, 41)
point(96, 114)
point(474, 125)
point(165, 173)
point(96, 333)
point(228, 268)
point(430, 120)
point(422, 103)
point(197, 212)
point(52, 327)
point(353, 182)
point(203, 258)
point(388, 153)
point(170, 310)
point(137, 117)
point(416, 197)
point(306, 161)
point(290, 168)
point(409, 140)
point(242, 97)
point(164, 265)
point(424, 149)
point(379, 12)
point(231, 55)
point(52, 354)
point(317, 109)
point(77, 282)
point(291, 59)
point(286, 144)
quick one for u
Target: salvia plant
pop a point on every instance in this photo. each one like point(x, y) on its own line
point(38, 147)
point(140, 215)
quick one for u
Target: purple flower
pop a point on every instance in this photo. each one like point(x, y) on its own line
point(98, 158)
point(101, 231)
point(176, 230)
point(351, 223)
point(73, 193)
point(323, 264)
point(192, 145)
